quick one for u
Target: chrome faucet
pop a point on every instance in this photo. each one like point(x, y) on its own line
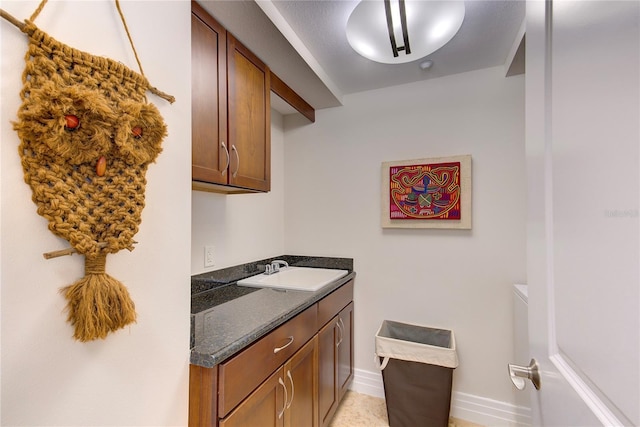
point(275, 266)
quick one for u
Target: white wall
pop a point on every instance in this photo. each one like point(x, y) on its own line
point(139, 375)
point(241, 227)
point(444, 278)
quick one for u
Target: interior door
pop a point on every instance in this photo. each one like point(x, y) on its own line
point(583, 133)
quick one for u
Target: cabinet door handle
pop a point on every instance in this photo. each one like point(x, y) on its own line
point(277, 349)
point(228, 158)
point(284, 404)
point(233, 148)
point(293, 390)
point(341, 333)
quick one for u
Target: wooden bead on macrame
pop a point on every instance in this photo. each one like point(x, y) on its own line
point(101, 166)
point(71, 121)
point(137, 132)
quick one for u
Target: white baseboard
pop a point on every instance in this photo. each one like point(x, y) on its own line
point(367, 382)
point(469, 407)
point(488, 412)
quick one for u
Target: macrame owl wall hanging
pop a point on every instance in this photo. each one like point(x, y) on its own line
point(87, 135)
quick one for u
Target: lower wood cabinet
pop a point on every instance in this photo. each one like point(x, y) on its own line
point(295, 376)
point(203, 396)
point(244, 372)
point(286, 399)
point(335, 363)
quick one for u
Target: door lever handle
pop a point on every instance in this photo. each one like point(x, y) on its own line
point(519, 373)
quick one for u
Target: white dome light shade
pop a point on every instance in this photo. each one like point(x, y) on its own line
point(430, 25)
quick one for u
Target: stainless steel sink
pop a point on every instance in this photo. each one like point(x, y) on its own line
point(295, 278)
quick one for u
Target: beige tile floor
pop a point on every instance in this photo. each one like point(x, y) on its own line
point(361, 410)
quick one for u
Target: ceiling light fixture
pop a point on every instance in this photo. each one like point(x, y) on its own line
point(376, 28)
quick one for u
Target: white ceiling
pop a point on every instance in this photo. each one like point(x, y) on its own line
point(304, 43)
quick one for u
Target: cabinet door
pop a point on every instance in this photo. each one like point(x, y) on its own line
point(249, 118)
point(263, 408)
point(208, 98)
point(335, 363)
point(301, 377)
point(327, 359)
point(345, 350)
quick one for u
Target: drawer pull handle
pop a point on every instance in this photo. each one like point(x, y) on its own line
point(277, 349)
point(284, 404)
point(292, 389)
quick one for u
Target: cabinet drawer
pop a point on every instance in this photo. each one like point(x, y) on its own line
point(241, 374)
point(331, 305)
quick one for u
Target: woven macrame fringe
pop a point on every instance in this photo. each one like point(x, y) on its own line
point(98, 304)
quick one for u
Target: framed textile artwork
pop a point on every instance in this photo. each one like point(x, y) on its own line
point(427, 193)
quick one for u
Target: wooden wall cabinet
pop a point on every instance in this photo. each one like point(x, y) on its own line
point(231, 111)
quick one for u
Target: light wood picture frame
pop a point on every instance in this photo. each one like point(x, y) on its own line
point(427, 193)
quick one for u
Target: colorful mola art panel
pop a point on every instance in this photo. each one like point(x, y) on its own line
point(428, 191)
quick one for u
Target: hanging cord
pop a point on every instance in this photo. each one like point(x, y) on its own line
point(161, 94)
point(35, 14)
point(135, 53)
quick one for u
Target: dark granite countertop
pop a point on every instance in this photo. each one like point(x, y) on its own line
point(226, 317)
